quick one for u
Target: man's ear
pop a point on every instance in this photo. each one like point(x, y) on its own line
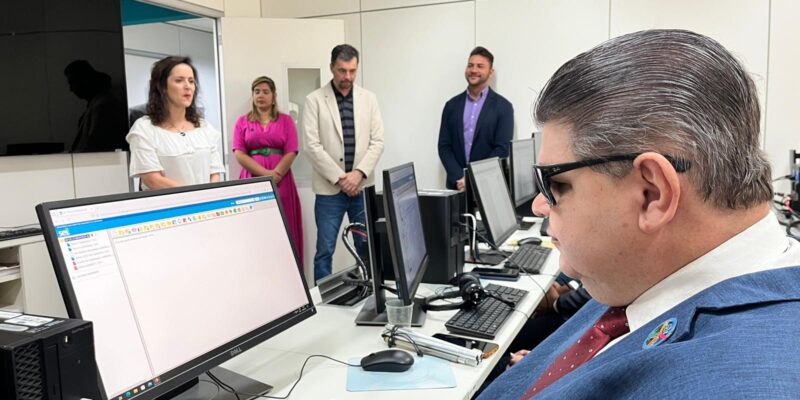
point(661, 191)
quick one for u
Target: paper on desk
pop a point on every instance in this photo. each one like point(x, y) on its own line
point(426, 373)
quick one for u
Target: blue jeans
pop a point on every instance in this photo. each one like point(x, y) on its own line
point(328, 213)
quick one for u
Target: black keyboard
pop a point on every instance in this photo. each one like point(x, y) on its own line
point(530, 258)
point(484, 320)
point(18, 233)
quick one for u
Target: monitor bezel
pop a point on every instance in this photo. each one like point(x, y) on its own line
point(204, 362)
point(497, 238)
point(512, 173)
point(405, 291)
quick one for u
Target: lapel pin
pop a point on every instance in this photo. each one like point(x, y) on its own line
point(660, 334)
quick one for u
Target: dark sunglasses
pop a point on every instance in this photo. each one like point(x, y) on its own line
point(543, 173)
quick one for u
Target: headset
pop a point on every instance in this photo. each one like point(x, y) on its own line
point(469, 289)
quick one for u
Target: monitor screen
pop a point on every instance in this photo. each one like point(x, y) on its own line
point(521, 174)
point(404, 225)
point(175, 281)
point(497, 212)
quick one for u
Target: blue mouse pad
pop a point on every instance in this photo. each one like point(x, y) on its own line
point(427, 373)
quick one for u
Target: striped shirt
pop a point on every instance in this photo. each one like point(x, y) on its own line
point(347, 115)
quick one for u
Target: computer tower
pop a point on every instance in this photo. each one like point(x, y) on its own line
point(445, 237)
point(46, 358)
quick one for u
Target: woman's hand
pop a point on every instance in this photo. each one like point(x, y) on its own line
point(276, 176)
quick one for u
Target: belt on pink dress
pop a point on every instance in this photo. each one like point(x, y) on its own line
point(266, 151)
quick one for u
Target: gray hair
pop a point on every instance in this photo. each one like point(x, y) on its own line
point(670, 91)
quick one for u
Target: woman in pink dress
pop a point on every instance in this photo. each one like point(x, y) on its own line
point(265, 144)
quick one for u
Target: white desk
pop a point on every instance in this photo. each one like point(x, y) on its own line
point(332, 332)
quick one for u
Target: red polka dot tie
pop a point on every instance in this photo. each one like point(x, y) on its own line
point(611, 325)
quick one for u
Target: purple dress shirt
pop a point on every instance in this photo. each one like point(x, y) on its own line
point(472, 109)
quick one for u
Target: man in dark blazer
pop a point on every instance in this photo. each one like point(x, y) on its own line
point(476, 124)
point(659, 198)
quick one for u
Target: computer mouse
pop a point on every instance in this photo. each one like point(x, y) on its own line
point(530, 240)
point(391, 360)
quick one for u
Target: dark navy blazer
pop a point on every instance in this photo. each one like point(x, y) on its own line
point(738, 339)
point(493, 132)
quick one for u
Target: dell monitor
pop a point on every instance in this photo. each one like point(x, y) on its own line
point(494, 202)
point(176, 281)
point(406, 236)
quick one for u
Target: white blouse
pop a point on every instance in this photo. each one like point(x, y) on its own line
point(190, 157)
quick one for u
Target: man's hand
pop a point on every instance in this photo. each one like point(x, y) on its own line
point(460, 185)
point(517, 357)
point(350, 183)
point(546, 305)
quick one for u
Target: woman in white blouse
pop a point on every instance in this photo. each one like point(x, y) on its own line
point(172, 145)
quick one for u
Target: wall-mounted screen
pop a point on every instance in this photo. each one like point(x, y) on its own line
point(62, 77)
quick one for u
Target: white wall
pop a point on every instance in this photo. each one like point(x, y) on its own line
point(783, 86)
point(307, 8)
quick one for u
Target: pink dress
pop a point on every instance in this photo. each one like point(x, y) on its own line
point(280, 134)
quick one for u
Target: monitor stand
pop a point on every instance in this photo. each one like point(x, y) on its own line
point(205, 388)
point(524, 210)
point(370, 316)
point(524, 225)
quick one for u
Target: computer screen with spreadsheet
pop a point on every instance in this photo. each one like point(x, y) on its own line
point(175, 281)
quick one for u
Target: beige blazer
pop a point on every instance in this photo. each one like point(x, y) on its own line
point(324, 143)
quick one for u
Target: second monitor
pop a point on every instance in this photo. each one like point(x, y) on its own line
point(523, 190)
point(494, 202)
point(406, 237)
point(407, 247)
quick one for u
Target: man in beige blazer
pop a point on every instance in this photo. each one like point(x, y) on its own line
point(343, 133)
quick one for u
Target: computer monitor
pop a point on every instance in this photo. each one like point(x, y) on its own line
point(468, 195)
point(374, 310)
point(176, 281)
point(494, 202)
point(521, 160)
point(404, 227)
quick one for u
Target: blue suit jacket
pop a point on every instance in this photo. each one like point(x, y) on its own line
point(493, 132)
point(737, 339)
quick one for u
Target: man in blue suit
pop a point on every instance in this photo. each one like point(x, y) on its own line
point(659, 202)
point(476, 124)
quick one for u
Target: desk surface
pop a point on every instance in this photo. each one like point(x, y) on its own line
point(332, 332)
